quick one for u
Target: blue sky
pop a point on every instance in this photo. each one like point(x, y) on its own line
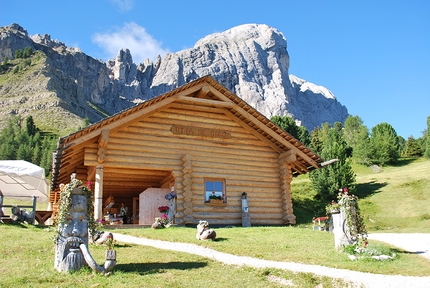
point(373, 55)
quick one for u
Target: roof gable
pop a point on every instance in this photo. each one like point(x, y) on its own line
point(205, 94)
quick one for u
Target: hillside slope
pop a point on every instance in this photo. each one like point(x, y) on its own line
point(395, 199)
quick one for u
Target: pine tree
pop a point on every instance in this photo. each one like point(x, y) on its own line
point(289, 125)
point(413, 149)
point(357, 137)
point(328, 180)
point(30, 126)
point(427, 150)
point(384, 144)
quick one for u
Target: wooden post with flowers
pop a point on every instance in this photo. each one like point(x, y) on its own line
point(348, 225)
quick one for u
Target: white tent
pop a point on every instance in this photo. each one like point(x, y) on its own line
point(19, 178)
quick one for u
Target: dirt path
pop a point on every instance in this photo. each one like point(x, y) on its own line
point(418, 243)
point(366, 279)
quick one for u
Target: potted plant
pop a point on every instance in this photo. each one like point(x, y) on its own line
point(214, 198)
point(332, 208)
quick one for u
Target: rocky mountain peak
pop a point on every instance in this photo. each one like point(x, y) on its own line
point(251, 60)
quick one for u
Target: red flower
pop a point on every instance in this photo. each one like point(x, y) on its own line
point(163, 209)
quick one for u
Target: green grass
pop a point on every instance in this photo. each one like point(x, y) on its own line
point(28, 261)
point(396, 199)
point(291, 244)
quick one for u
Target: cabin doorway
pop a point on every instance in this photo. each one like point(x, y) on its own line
point(135, 210)
point(149, 201)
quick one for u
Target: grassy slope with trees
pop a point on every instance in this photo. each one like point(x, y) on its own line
point(393, 199)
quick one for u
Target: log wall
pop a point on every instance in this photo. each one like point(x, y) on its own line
point(246, 163)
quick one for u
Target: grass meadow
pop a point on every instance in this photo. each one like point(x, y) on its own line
point(395, 199)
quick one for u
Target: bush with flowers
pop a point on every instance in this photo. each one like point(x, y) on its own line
point(332, 207)
point(164, 219)
point(348, 204)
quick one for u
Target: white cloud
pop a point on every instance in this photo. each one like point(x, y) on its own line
point(133, 37)
point(123, 5)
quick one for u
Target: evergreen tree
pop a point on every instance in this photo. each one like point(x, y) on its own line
point(427, 140)
point(27, 52)
point(30, 126)
point(18, 53)
point(357, 137)
point(316, 143)
point(402, 145)
point(18, 143)
point(413, 149)
point(318, 137)
point(328, 180)
point(8, 145)
point(289, 125)
point(384, 144)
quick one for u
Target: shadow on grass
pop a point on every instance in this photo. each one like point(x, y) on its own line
point(220, 239)
point(123, 245)
point(307, 208)
point(364, 190)
point(403, 162)
point(159, 267)
point(16, 224)
point(401, 251)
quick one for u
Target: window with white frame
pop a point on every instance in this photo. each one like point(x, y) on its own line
point(215, 188)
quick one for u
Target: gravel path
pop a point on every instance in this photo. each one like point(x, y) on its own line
point(417, 243)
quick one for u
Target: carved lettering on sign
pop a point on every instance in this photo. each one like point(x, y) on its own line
point(194, 131)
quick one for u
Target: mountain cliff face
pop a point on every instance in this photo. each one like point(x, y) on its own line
point(250, 60)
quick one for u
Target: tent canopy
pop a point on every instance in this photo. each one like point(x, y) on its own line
point(19, 178)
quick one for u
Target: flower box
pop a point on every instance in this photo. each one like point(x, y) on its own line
point(216, 201)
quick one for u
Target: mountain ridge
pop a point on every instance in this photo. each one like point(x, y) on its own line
point(251, 60)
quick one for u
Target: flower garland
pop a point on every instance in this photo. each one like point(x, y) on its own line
point(66, 201)
point(348, 204)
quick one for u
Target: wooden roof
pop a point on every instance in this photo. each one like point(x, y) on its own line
point(206, 92)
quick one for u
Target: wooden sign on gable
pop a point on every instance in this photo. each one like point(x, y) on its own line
point(204, 132)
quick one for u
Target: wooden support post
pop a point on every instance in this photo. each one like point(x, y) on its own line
point(98, 193)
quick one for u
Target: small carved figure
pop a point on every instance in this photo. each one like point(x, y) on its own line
point(157, 223)
point(203, 231)
point(102, 237)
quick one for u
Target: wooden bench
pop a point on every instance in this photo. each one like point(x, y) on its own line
point(42, 216)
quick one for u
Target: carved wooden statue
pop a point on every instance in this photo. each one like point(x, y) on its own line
point(71, 251)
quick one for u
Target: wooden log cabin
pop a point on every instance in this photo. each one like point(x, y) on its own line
point(198, 140)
